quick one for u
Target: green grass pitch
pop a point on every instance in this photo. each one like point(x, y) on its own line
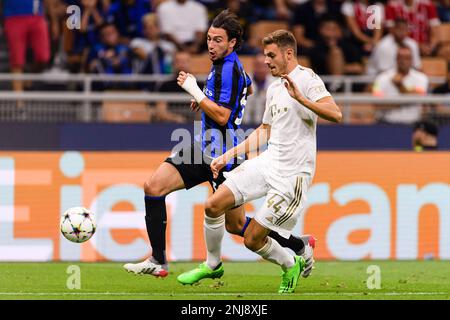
point(241, 281)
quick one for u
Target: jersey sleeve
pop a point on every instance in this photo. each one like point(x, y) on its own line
point(389, 15)
point(421, 84)
point(248, 80)
point(267, 117)
point(315, 89)
point(379, 84)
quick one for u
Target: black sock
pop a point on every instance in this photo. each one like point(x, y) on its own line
point(156, 221)
point(294, 243)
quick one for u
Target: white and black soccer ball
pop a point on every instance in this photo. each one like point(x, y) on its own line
point(78, 224)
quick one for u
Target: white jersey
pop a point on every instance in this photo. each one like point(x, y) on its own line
point(292, 144)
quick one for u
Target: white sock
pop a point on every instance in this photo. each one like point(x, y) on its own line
point(214, 230)
point(275, 253)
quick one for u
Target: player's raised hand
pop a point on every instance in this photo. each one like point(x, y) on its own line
point(291, 87)
point(217, 164)
point(189, 84)
point(182, 76)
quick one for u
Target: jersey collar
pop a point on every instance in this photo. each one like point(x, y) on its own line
point(292, 74)
point(230, 57)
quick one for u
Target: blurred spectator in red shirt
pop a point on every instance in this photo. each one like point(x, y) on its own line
point(26, 27)
point(364, 25)
point(423, 20)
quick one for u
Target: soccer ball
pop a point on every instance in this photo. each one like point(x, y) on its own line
point(78, 224)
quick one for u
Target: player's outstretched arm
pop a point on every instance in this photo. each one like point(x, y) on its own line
point(218, 113)
point(325, 108)
point(253, 142)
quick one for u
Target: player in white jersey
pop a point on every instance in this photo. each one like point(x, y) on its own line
point(282, 173)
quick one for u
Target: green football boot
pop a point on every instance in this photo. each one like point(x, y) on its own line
point(199, 273)
point(289, 278)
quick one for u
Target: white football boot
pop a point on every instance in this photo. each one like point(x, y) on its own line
point(149, 266)
point(308, 254)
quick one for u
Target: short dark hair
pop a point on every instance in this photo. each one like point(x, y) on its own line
point(282, 38)
point(329, 17)
point(228, 21)
point(404, 46)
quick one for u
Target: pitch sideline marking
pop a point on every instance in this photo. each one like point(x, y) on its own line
point(216, 294)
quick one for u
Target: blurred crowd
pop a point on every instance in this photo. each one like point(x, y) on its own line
point(387, 39)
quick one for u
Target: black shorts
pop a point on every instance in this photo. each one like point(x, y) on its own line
point(195, 174)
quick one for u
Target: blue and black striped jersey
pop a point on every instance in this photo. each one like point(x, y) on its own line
point(226, 85)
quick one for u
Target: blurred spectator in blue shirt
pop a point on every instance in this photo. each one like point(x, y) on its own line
point(102, 5)
point(443, 9)
point(127, 15)
point(79, 41)
point(269, 10)
point(110, 56)
point(212, 5)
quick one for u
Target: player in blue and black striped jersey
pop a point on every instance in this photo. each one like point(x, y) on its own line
point(222, 103)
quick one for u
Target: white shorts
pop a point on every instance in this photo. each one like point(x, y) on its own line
point(285, 196)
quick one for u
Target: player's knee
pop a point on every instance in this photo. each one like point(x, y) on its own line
point(233, 227)
point(212, 208)
point(154, 188)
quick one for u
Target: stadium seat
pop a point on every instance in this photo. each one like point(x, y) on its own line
point(444, 33)
point(434, 67)
point(444, 51)
point(132, 111)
